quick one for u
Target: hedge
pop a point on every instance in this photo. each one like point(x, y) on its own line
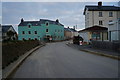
point(12, 50)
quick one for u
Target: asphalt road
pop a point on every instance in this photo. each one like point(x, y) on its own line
point(57, 60)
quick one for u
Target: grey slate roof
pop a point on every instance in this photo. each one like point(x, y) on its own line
point(70, 29)
point(5, 28)
point(33, 23)
point(38, 23)
point(94, 28)
point(101, 8)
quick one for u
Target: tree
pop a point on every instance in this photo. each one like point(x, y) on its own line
point(10, 34)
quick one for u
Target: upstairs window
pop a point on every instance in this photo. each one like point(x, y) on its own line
point(23, 32)
point(46, 24)
point(29, 32)
point(110, 14)
point(46, 30)
point(100, 22)
point(100, 14)
point(29, 26)
point(35, 32)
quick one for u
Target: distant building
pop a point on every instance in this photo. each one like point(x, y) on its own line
point(114, 30)
point(100, 15)
point(94, 33)
point(69, 33)
point(41, 30)
point(8, 33)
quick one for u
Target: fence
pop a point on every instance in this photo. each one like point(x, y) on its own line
point(111, 46)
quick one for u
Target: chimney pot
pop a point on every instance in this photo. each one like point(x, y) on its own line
point(22, 20)
point(100, 3)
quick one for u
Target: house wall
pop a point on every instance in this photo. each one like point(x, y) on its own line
point(67, 34)
point(92, 18)
point(114, 30)
point(85, 35)
point(53, 30)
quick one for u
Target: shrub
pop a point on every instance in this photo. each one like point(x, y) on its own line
point(12, 50)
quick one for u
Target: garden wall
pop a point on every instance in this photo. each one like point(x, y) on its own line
point(111, 46)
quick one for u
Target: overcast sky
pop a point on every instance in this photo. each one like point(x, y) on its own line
point(68, 13)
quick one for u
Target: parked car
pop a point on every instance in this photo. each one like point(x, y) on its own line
point(77, 39)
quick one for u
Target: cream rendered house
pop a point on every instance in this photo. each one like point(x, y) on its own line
point(100, 15)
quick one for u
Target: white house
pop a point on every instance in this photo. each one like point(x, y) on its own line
point(100, 15)
point(8, 29)
point(114, 30)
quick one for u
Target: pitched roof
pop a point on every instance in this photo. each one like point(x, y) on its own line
point(67, 29)
point(5, 28)
point(42, 21)
point(38, 23)
point(33, 23)
point(94, 28)
point(101, 8)
point(70, 29)
point(73, 30)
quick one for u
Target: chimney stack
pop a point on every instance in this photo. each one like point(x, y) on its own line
point(99, 3)
point(22, 20)
point(57, 20)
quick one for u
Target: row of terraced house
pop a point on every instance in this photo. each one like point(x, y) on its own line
point(43, 30)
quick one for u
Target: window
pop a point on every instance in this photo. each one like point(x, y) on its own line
point(35, 38)
point(35, 32)
point(29, 32)
point(110, 20)
point(23, 32)
point(110, 14)
point(46, 24)
point(46, 30)
point(100, 14)
point(29, 26)
point(100, 22)
point(23, 38)
point(29, 38)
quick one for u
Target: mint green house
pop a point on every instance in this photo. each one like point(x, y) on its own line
point(43, 30)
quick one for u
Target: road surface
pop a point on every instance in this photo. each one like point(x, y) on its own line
point(57, 60)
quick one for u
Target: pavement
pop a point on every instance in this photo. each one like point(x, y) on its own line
point(57, 60)
point(12, 67)
point(102, 52)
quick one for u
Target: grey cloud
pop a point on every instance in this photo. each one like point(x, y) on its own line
point(69, 13)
